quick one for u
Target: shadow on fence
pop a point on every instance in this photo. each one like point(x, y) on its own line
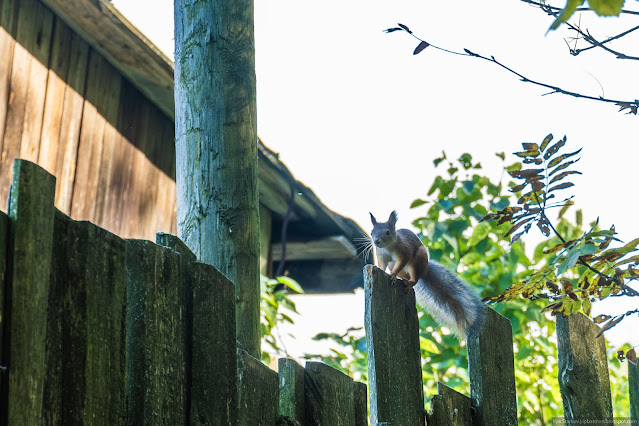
point(95, 329)
point(101, 330)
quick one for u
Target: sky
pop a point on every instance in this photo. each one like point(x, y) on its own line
point(358, 118)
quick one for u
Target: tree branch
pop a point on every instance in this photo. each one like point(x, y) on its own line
point(631, 105)
point(579, 9)
point(555, 11)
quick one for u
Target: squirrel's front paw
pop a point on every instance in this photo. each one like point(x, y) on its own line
point(408, 285)
point(393, 279)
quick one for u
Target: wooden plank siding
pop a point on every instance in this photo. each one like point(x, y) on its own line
point(65, 107)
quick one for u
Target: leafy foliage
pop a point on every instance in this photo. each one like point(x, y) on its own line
point(276, 308)
point(581, 266)
point(600, 7)
point(455, 204)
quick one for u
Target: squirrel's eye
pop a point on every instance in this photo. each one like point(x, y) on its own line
point(387, 232)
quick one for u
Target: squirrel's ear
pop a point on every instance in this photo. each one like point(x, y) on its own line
point(373, 219)
point(393, 217)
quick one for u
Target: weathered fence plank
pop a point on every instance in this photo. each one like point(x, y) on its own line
point(394, 359)
point(329, 396)
point(492, 371)
point(4, 237)
point(583, 369)
point(361, 406)
point(155, 336)
point(214, 394)
point(186, 282)
point(86, 336)
point(31, 213)
point(291, 387)
point(633, 390)
point(449, 408)
point(258, 392)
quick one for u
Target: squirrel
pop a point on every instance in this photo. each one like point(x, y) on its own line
point(449, 299)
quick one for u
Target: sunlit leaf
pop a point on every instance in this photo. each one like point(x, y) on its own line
point(290, 283)
point(418, 202)
point(553, 149)
point(545, 142)
point(561, 186)
point(480, 232)
point(601, 318)
point(559, 159)
point(565, 207)
point(562, 166)
point(525, 154)
point(566, 13)
point(606, 7)
point(563, 175)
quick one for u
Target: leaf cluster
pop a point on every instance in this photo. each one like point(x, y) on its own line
point(581, 265)
point(276, 308)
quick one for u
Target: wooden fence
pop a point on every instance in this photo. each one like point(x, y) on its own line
point(101, 330)
point(95, 329)
point(395, 380)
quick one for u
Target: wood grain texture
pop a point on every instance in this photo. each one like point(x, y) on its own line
point(216, 148)
point(35, 36)
point(394, 358)
point(449, 408)
point(291, 389)
point(258, 392)
point(491, 371)
point(70, 125)
point(156, 332)
point(90, 144)
point(86, 332)
point(122, 44)
point(583, 369)
point(329, 396)
point(214, 394)
point(8, 25)
point(4, 292)
point(31, 214)
point(54, 100)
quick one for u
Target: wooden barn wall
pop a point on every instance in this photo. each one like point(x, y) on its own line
point(65, 107)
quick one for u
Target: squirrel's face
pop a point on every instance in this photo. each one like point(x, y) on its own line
point(383, 233)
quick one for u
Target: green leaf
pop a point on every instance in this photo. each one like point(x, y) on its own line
point(566, 13)
point(418, 202)
point(545, 142)
point(429, 346)
point(290, 283)
point(480, 232)
point(606, 7)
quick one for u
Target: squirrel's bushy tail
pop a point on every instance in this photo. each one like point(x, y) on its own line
point(450, 301)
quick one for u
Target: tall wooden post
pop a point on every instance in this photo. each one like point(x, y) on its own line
point(216, 147)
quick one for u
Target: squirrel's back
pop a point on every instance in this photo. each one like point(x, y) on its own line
point(451, 301)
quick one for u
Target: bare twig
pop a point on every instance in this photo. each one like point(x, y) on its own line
point(631, 105)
